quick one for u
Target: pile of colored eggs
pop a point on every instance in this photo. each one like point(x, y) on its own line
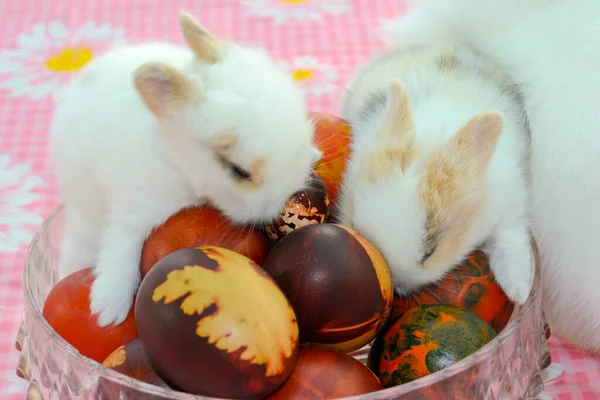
point(235, 312)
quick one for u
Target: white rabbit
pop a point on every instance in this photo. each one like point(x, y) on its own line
point(551, 48)
point(149, 129)
point(439, 166)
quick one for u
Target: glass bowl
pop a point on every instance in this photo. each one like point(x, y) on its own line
point(506, 368)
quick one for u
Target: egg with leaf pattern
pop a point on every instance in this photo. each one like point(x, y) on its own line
point(215, 324)
point(131, 359)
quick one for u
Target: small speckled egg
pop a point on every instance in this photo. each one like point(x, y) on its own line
point(306, 207)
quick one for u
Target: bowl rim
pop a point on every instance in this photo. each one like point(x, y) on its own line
point(517, 315)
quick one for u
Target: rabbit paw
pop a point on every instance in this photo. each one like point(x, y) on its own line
point(511, 260)
point(118, 265)
point(111, 298)
point(117, 276)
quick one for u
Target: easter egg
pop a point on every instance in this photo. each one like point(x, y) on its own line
point(333, 136)
point(202, 226)
point(326, 374)
point(131, 359)
point(424, 340)
point(337, 282)
point(215, 324)
point(470, 285)
point(67, 311)
point(306, 207)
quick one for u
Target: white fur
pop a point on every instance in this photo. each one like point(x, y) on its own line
point(551, 48)
point(391, 213)
point(122, 171)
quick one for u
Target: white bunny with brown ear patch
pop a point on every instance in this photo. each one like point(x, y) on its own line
point(551, 48)
point(147, 130)
point(439, 166)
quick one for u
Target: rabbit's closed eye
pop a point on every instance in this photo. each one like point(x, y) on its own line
point(240, 173)
point(237, 172)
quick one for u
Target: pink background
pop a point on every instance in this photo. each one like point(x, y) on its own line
point(341, 35)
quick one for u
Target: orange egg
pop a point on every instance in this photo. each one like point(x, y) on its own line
point(333, 137)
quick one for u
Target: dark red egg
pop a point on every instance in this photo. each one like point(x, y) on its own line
point(306, 207)
point(337, 282)
point(470, 285)
point(327, 374)
point(215, 324)
point(131, 360)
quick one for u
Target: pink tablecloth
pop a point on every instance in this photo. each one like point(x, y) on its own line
point(43, 41)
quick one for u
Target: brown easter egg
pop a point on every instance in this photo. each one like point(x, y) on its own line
point(67, 310)
point(333, 137)
point(470, 285)
point(337, 282)
point(327, 374)
point(203, 226)
point(215, 324)
point(306, 207)
point(131, 360)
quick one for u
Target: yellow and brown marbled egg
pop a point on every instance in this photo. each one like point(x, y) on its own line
point(216, 324)
point(306, 207)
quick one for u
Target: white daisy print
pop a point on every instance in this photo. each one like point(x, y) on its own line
point(47, 56)
point(17, 224)
point(283, 10)
point(313, 75)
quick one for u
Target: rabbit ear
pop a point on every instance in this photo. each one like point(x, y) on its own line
point(164, 88)
point(397, 124)
point(396, 134)
point(203, 43)
point(475, 143)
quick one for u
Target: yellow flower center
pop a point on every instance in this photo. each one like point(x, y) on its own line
point(295, 1)
point(69, 59)
point(302, 74)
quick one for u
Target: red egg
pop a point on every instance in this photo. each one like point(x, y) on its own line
point(203, 226)
point(67, 310)
point(326, 374)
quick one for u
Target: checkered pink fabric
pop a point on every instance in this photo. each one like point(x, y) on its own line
point(42, 42)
